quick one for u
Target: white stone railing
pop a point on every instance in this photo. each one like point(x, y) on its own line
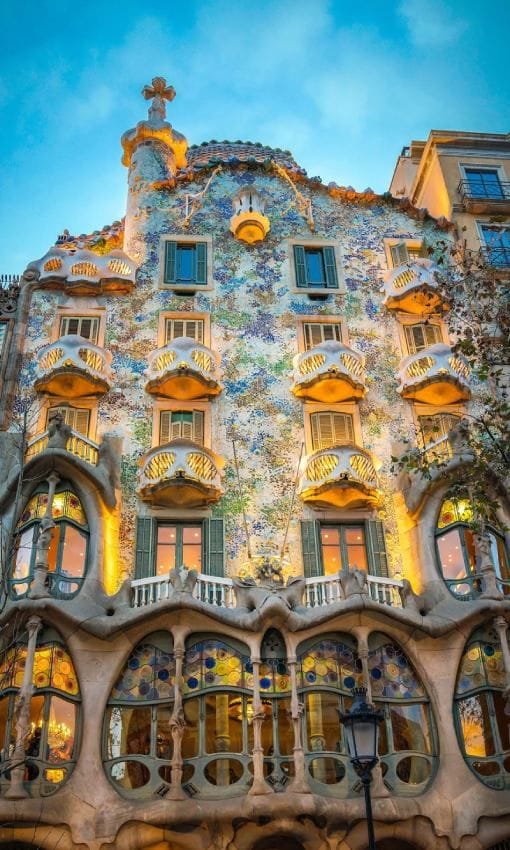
point(75, 353)
point(183, 355)
point(325, 590)
point(330, 359)
point(435, 362)
point(77, 445)
point(180, 459)
point(438, 451)
point(349, 464)
point(408, 278)
point(219, 591)
point(85, 266)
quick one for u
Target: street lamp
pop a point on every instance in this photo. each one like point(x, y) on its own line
point(361, 726)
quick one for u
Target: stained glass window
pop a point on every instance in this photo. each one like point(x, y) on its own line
point(149, 675)
point(482, 713)
point(330, 664)
point(215, 664)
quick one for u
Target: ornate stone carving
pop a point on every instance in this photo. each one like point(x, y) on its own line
point(58, 432)
point(158, 92)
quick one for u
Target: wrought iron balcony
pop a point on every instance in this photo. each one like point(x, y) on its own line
point(86, 272)
point(183, 369)
point(72, 367)
point(340, 477)
point(497, 257)
point(412, 287)
point(77, 445)
point(180, 474)
point(483, 196)
point(329, 372)
point(435, 376)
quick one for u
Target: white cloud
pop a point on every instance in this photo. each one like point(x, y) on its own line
point(431, 23)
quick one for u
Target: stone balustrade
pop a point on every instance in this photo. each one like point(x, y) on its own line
point(412, 287)
point(339, 476)
point(435, 375)
point(77, 445)
point(329, 372)
point(183, 369)
point(72, 367)
point(180, 473)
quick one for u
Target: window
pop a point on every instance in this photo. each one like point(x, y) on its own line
point(3, 336)
point(67, 554)
point(331, 429)
point(421, 336)
point(191, 328)
point(435, 429)
point(78, 418)
point(484, 183)
point(496, 245)
point(138, 744)
point(85, 326)
point(317, 332)
point(482, 721)
point(165, 544)
point(315, 267)
point(406, 252)
point(185, 424)
point(185, 263)
point(51, 746)
point(457, 554)
point(332, 547)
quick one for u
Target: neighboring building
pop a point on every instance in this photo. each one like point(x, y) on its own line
point(463, 177)
point(210, 549)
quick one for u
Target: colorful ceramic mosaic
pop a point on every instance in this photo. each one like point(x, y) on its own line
point(149, 675)
point(53, 668)
point(481, 667)
point(391, 674)
point(330, 664)
point(214, 664)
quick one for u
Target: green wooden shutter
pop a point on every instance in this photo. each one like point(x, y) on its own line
point(170, 262)
point(399, 254)
point(201, 263)
point(300, 263)
point(310, 545)
point(330, 268)
point(144, 566)
point(376, 548)
point(213, 545)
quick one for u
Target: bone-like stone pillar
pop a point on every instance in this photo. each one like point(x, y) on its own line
point(16, 790)
point(378, 787)
point(501, 626)
point(299, 782)
point(177, 727)
point(38, 589)
point(259, 785)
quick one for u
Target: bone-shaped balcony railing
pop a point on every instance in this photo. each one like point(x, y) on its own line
point(437, 364)
point(84, 266)
point(181, 462)
point(73, 355)
point(183, 369)
point(330, 368)
point(412, 287)
point(347, 466)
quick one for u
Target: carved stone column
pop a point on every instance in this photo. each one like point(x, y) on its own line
point(16, 790)
point(177, 727)
point(299, 782)
point(487, 568)
point(501, 626)
point(259, 785)
point(378, 787)
point(38, 589)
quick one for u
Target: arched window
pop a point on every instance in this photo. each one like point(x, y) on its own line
point(407, 742)
point(483, 724)
point(218, 709)
point(275, 694)
point(456, 549)
point(67, 554)
point(51, 745)
point(328, 670)
point(137, 736)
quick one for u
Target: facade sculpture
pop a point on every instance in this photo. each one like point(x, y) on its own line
point(205, 546)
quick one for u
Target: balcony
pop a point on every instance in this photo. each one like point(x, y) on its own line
point(435, 376)
point(77, 445)
point(330, 372)
point(73, 367)
point(479, 196)
point(84, 272)
point(339, 477)
point(498, 258)
point(180, 474)
point(219, 591)
point(412, 287)
point(184, 369)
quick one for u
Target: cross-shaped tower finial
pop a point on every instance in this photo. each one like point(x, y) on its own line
point(158, 92)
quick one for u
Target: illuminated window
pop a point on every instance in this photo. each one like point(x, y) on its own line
point(67, 554)
point(317, 332)
point(54, 713)
point(78, 418)
point(482, 722)
point(420, 336)
point(163, 545)
point(191, 328)
point(138, 744)
point(330, 428)
point(330, 547)
point(343, 548)
point(185, 263)
point(457, 553)
point(185, 424)
point(406, 251)
point(315, 267)
point(178, 545)
point(85, 326)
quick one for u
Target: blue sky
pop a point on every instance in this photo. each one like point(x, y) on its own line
point(343, 85)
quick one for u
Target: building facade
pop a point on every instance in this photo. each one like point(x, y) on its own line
point(205, 545)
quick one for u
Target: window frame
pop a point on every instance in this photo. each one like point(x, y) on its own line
point(413, 242)
point(406, 320)
point(326, 319)
point(85, 403)
point(98, 313)
point(350, 408)
point(164, 405)
point(190, 288)
point(465, 167)
point(176, 315)
point(315, 244)
point(179, 525)
point(480, 225)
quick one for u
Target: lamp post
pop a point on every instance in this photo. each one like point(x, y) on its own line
point(361, 726)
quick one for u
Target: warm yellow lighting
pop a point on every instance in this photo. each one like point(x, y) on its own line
point(111, 568)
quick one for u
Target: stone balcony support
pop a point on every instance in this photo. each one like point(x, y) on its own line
point(339, 477)
point(329, 372)
point(412, 287)
point(183, 369)
point(73, 367)
point(180, 474)
point(435, 375)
